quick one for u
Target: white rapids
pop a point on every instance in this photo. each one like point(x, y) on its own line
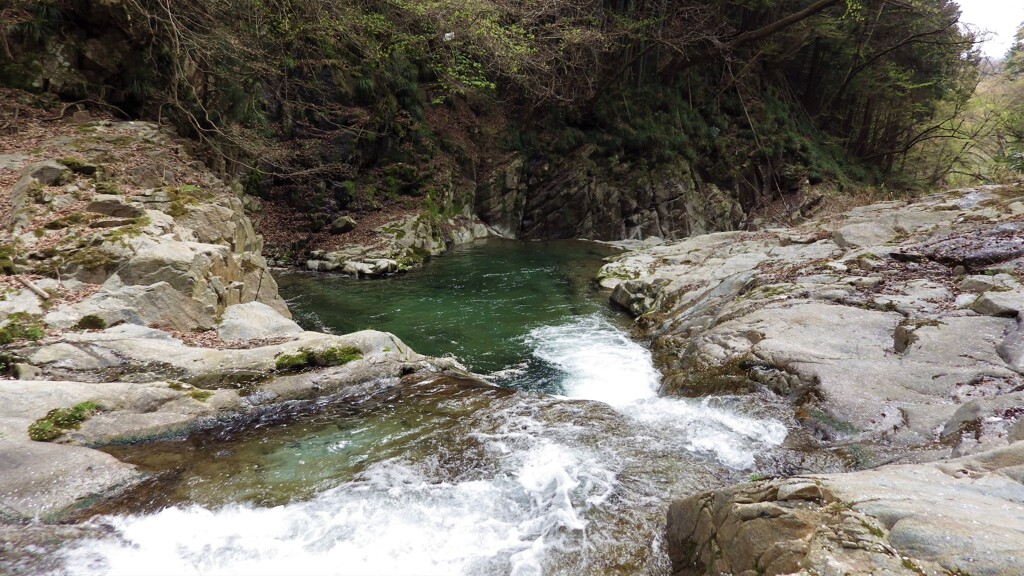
point(602, 363)
point(394, 519)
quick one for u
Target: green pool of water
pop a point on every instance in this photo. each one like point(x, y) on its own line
point(476, 303)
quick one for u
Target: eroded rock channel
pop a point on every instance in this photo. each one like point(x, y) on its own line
point(843, 396)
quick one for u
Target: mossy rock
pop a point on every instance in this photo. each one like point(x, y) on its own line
point(60, 420)
point(7, 253)
point(200, 395)
point(21, 326)
point(73, 219)
point(90, 322)
point(297, 361)
point(306, 358)
point(79, 166)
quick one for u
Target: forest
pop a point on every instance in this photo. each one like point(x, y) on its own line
point(347, 105)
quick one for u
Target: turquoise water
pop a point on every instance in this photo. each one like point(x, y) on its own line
point(476, 303)
point(565, 466)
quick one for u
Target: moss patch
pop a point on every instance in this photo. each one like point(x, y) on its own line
point(296, 361)
point(306, 357)
point(91, 322)
point(7, 253)
point(79, 166)
point(183, 197)
point(21, 326)
point(60, 420)
point(73, 219)
point(200, 395)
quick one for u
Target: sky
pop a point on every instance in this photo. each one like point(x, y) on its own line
point(1001, 17)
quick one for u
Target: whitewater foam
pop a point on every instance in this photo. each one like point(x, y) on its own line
point(602, 363)
point(393, 520)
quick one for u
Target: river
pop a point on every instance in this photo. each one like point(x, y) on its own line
point(564, 465)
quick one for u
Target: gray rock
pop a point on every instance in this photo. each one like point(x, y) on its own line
point(25, 193)
point(863, 234)
point(39, 480)
point(19, 302)
point(343, 224)
point(254, 320)
point(12, 161)
point(960, 516)
point(23, 371)
point(1011, 349)
point(48, 173)
point(1000, 303)
point(115, 206)
point(978, 283)
point(1017, 431)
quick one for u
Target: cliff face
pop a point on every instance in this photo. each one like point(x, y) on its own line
point(544, 200)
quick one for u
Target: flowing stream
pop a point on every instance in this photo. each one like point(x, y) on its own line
point(565, 466)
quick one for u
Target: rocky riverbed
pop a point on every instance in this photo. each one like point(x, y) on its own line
point(137, 306)
point(896, 332)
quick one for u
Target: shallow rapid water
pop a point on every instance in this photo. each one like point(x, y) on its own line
point(565, 466)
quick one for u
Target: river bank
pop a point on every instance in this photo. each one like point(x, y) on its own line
point(894, 330)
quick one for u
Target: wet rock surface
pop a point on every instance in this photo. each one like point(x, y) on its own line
point(894, 331)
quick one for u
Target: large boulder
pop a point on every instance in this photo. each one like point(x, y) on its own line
point(956, 517)
point(255, 320)
point(343, 224)
point(27, 191)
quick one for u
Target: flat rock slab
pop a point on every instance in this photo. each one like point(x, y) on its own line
point(42, 480)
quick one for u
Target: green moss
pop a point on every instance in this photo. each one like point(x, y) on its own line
point(840, 426)
point(200, 395)
point(79, 166)
point(108, 187)
point(73, 219)
point(728, 378)
point(60, 420)
point(123, 233)
point(7, 362)
point(336, 356)
point(305, 357)
point(182, 197)
point(91, 322)
point(21, 326)
point(873, 530)
point(7, 253)
point(296, 361)
point(92, 258)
